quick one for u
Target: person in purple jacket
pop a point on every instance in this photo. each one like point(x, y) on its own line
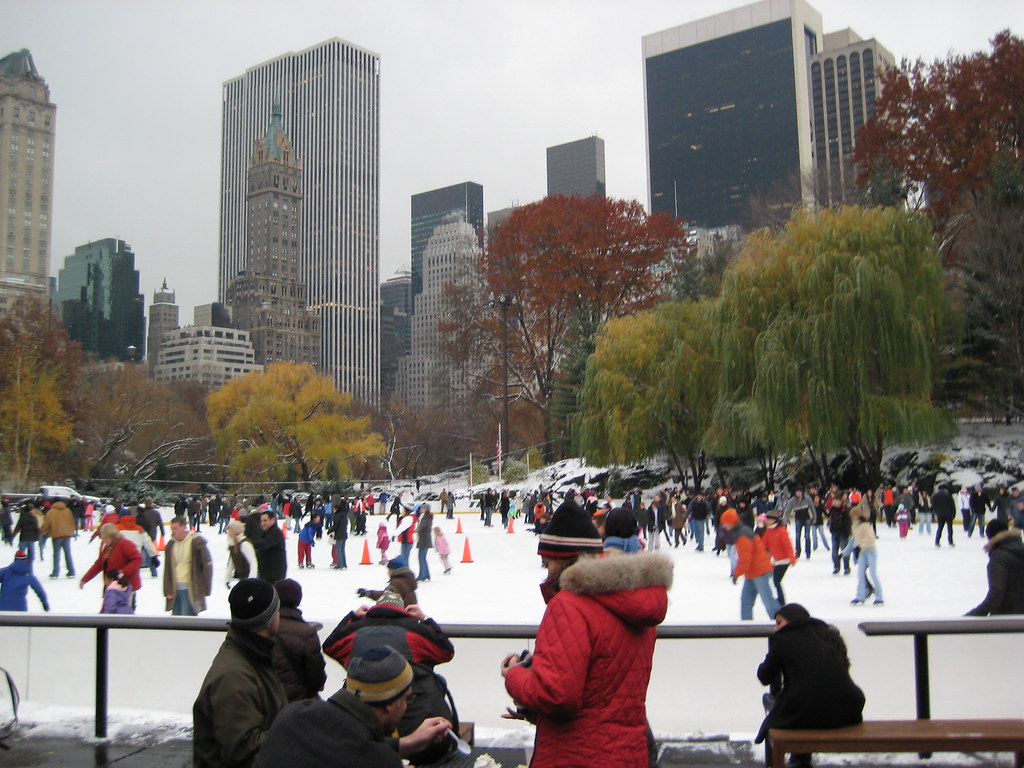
point(117, 596)
point(15, 580)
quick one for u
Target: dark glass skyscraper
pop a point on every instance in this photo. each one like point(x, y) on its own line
point(99, 300)
point(728, 111)
point(577, 168)
point(428, 212)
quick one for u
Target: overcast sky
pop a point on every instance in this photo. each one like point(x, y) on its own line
point(470, 90)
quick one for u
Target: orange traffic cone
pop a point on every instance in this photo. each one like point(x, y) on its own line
point(458, 528)
point(466, 556)
point(510, 528)
point(284, 530)
point(160, 546)
point(366, 553)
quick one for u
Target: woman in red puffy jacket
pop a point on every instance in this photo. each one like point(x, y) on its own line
point(116, 554)
point(585, 686)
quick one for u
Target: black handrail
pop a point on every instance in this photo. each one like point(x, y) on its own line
point(920, 630)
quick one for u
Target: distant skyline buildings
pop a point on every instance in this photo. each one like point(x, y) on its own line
point(330, 108)
point(728, 112)
point(163, 317)
point(209, 352)
point(99, 301)
point(395, 311)
point(430, 209)
point(577, 168)
point(28, 126)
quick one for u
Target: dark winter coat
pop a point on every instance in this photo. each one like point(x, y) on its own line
point(423, 644)
point(817, 691)
point(237, 702)
point(342, 731)
point(943, 506)
point(1005, 576)
point(586, 686)
point(270, 555)
point(424, 531)
point(15, 580)
point(27, 526)
point(401, 581)
point(297, 658)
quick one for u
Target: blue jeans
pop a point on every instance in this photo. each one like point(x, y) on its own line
point(868, 560)
point(29, 548)
point(62, 545)
point(406, 550)
point(839, 542)
point(424, 568)
point(147, 562)
point(697, 531)
point(182, 605)
point(752, 588)
point(924, 521)
point(818, 531)
point(803, 526)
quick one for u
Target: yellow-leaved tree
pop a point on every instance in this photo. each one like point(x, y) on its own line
point(288, 417)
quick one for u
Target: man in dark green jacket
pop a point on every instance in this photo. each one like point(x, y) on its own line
point(241, 694)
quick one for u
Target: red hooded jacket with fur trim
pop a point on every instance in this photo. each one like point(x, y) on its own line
point(586, 686)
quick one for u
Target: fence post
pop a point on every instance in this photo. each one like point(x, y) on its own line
point(101, 682)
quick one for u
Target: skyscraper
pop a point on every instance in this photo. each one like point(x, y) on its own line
point(429, 210)
point(99, 300)
point(728, 112)
point(844, 85)
point(330, 108)
point(163, 317)
point(269, 298)
point(28, 121)
point(395, 309)
point(577, 168)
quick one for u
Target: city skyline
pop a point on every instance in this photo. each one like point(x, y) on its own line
point(465, 94)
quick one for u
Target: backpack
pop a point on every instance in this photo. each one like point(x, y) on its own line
point(239, 563)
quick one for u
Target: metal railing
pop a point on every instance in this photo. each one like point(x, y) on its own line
point(919, 630)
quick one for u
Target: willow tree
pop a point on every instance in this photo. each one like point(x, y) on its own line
point(289, 420)
point(828, 334)
point(649, 388)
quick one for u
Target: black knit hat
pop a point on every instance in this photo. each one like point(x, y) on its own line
point(290, 592)
point(620, 522)
point(254, 603)
point(571, 532)
point(378, 674)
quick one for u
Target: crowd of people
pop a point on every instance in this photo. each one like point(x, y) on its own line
point(606, 590)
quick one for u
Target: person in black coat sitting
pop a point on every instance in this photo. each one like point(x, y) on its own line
point(809, 672)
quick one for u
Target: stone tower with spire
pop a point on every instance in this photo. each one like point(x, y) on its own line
point(270, 298)
point(28, 122)
point(163, 317)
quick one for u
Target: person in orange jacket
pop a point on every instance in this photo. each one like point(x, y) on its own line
point(780, 549)
point(753, 564)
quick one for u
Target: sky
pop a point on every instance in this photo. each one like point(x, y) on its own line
point(470, 91)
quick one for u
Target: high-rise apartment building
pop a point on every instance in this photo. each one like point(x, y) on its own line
point(163, 317)
point(728, 112)
point(330, 109)
point(844, 86)
point(269, 298)
point(99, 300)
point(28, 122)
point(577, 168)
point(425, 378)
point(430, 209)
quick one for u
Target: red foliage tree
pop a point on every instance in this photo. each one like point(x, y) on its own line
point(940, 127)
point(567, 264)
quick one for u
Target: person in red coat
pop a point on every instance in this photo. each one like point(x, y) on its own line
point(585, 686)
point(116, 554)
point(753, 564)
point(780, 549)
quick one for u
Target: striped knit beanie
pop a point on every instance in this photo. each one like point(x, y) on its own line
point(571, 532)
point(378, 674)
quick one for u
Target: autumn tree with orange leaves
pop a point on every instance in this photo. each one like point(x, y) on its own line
point(567, 265)
point(940, 129)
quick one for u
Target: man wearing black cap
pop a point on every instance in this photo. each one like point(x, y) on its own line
point(241, 694)
point(353, 727)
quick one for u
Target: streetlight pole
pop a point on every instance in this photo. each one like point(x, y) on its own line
point(504, 300)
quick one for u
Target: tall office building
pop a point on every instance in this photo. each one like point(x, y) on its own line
point(269, 298)
point(577, 168)
point(163, 317)
point(844, 86)
point(28, 122)
point(425, 378)
point(395, 309)
point(728, 112)
point(99, 300)
point(330, 104)
point(429, 210)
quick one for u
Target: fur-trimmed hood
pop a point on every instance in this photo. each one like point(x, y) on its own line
point(633, 587)
point(1003, 537)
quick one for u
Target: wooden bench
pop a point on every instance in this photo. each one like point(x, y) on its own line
point(922, 736)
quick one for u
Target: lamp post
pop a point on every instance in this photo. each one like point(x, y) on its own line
point(504, 300)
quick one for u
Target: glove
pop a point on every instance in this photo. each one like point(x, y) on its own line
point(735, 579)
point(155, 560)
point(361, 592)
